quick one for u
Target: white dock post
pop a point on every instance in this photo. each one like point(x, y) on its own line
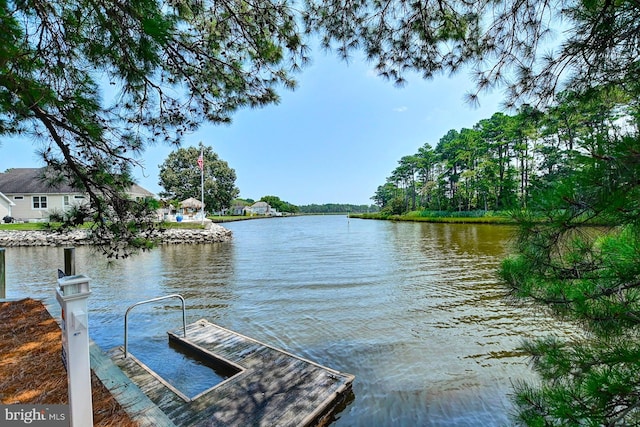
point(72, 294)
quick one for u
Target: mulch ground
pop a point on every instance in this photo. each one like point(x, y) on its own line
point(31, 369)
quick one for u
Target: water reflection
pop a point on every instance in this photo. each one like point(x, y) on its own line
point(413, 310)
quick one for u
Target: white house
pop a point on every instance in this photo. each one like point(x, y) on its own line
point(238, 207)
point(6, 206)
point(33, 198)
point(262, 208)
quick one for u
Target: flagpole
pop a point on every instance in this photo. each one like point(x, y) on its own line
point(202, 185)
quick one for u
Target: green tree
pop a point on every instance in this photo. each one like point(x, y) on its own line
point(279, 205)
point(427, 162)
point(525, 132)
point(498, 133)
point(504, 44)
point(181, 178)
point(405, 175)
point(384, 194)
point(470, 156)
point(449, 148)
point(588, 274)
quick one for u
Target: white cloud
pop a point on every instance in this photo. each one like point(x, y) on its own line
point(400, 109)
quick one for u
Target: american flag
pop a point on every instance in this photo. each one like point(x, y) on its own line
point(201, 161)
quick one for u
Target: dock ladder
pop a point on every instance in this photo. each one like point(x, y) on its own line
point(126, 325)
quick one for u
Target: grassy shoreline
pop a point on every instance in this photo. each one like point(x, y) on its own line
point(451, 218)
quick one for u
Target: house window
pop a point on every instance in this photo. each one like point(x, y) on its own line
point(39, 202)
point(18, 197)
point(67, 201)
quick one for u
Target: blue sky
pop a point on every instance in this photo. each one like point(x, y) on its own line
point(334, 139)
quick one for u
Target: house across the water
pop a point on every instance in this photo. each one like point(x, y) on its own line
point(6, 206)
point(26, 195)
point(262, 208)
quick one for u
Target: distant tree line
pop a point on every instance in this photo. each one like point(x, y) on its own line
point(502, 162)
point(329, 208)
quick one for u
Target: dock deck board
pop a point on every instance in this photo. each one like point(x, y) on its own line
point(272, 388)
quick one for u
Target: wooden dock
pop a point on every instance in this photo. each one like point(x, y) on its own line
point(267, 387)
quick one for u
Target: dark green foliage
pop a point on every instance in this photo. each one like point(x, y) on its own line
point(504, 162)
point(180, 177)
point(396, 206)
point(484, 168)
point(587, 274)
point(280, 205)
point(504, 44)
point(449, 214)
point(331, 208)
point(585, 384)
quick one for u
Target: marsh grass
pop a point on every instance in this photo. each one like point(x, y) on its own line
point(472, 217)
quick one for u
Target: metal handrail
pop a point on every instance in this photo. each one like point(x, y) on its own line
point(126, 328)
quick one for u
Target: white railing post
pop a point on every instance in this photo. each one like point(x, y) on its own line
point(72, 294)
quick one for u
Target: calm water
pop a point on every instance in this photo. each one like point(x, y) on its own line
point(414, 311)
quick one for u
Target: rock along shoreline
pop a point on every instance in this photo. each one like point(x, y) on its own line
point(213, 233)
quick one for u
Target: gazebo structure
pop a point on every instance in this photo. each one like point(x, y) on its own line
point(191, 208)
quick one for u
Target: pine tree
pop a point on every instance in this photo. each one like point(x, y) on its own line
point(578, 252)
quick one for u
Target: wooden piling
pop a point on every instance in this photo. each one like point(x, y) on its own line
point(69, 261)
point(3, 276)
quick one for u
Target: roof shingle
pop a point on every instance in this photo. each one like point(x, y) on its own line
point(30, 181)
point(33, 181)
